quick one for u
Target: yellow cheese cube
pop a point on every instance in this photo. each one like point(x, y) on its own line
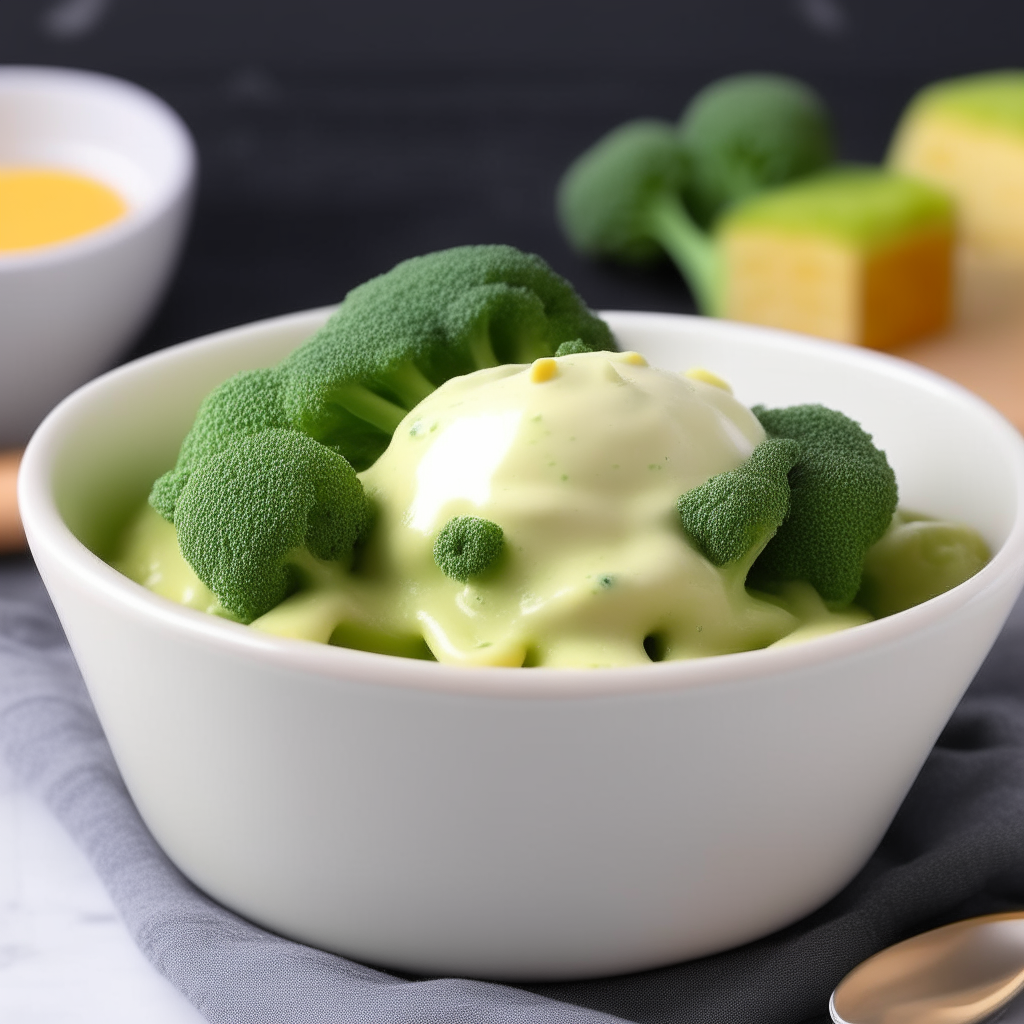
point(967, 136)
point(857, 255)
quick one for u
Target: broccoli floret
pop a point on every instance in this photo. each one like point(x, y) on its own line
point(621, 200)
point(748, 132)
point(248, 511)
point(248, 403)
point(736, 513)
point(842, 498)
point(467, 546)
point(398, 336)
point(572, 348)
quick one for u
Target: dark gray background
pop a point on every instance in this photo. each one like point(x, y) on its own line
point(337, 138)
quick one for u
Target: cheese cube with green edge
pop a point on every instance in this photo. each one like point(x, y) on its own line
point(856, 254)
point(967, 136)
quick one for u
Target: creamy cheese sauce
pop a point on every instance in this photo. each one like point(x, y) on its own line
point(580, 461)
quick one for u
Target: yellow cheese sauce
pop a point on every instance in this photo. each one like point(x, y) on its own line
point(580, 461)
point(40, 206)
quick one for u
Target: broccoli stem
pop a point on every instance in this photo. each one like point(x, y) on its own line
point(531, 345)
point(365, 405)
point(744, 564)
point(315, 572)
point(480, 349)
point(406, 381)
point(692, 251)
point(735, 573)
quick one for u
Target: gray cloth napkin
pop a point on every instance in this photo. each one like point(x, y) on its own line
point(955, 849)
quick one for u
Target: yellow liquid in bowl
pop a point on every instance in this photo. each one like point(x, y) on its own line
point(40, 207)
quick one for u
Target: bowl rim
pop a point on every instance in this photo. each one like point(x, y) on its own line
point(136, 219)
point(50, 536)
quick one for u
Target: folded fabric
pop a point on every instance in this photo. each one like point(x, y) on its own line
point(955, 849)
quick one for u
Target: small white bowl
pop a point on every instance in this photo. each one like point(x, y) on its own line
point(67, 309)
point(520, 823)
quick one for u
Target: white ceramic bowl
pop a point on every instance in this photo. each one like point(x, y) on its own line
point(520, 823)
point(67, 309)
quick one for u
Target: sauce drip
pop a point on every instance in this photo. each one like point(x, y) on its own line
point(40, 206)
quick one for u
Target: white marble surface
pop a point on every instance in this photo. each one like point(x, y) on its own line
point(65, 956)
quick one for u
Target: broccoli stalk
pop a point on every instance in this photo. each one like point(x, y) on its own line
point(265, 479)
point(692, 251)
point(647, 187)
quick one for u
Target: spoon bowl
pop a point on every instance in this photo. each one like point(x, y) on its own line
point(958, 974)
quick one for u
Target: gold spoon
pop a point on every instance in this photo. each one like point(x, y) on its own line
point(959, 974)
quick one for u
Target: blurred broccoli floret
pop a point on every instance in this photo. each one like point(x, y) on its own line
point(748, 132)
point(649, 187)
point(248, 513)
point(621, 200)
point(736, 513)
point(398, 336)
point(918, 559)
point(467, 546)
point(608, 198)
point(842, 499)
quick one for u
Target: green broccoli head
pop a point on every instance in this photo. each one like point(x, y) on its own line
point(249, 509)
point(248, 403)
point(842, 499)
point(467, 546)
point(606, 197)
point(622, 200)
point(398, 336)
point(734, 513)
point(748, 132)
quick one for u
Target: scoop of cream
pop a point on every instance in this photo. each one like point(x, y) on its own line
point(579, 460)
